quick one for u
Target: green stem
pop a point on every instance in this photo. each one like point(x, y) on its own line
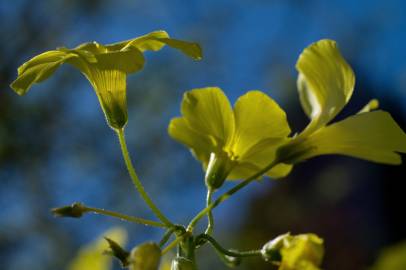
point(171, 245)
point(231, 253)
point(210, 218)
point(227, 195)
point(137, 182)
point(124, 217)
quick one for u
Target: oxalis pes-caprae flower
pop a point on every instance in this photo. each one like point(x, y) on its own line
point(235, 144)
point(245, 142)
point(105, 66)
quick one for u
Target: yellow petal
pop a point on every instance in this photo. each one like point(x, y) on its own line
point(110, 88)
point(304, 251)
point(92, 256)
point(200, 145)
point(208, 111)
point(280, 170)
point(38, 69)
point(373, 136)
point(129, 60)
point(154, 41)
point(325, 82)
point(257, 118)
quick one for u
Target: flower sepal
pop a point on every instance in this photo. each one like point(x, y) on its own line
point(217, 171)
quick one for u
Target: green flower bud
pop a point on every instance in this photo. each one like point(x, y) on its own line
point(181, 263)
point(145, 257)
point(217, 171)
point(76, 210)
point(270, 251)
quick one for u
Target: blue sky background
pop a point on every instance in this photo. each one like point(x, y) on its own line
point(246, 44)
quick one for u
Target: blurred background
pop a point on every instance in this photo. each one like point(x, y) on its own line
point(55, 147)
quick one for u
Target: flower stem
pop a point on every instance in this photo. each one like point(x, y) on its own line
point(137, 182)
point(210, 218)
point(227, 194)
point(124, 217)
point(231, 253)
point(171, 245)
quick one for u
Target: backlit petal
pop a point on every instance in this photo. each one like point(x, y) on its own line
point(38, 69)
point(373, 136)
point(208, 111)
point(325, 82)
point(257, 118)
point(154, 41)
point(200, 145)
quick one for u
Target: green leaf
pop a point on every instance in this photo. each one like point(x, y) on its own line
point(325, 82)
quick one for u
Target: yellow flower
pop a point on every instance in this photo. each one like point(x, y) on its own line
point(231, 143)
point(325, 85)
point(303, 251)
point(105, 66)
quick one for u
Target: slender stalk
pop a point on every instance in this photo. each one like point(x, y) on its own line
point(124, 217)
point(136, 181)
point(171, 245)
point(227, 195)
point(166, 236)
point(231, 253)
point(210, 218)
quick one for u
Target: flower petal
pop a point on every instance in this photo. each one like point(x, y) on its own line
point(38, 69)
point(325, 82)
point(200, 145)
point(373, 136)
point(257, 117)
point(207, 111)
point(154, 41)
point(129, 60)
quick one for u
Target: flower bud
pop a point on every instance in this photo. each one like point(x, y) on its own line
point(118, 252)
point(304, 251)
point(145, 257)
point(270, 251)
point(76, 210)
point(217, 171)
point(181, 263)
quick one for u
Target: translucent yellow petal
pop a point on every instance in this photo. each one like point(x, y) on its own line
point(257, 117)
point(92, 256)
point(200, 144)
point(110, 88)
point(325, 82)
point(154, 41)
point(38, 69)
point(392, 258)
point(129, 60)
point(303, 251)
point(243, 171)
point(208, 111)
point(280, 170)
point(373, 136)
